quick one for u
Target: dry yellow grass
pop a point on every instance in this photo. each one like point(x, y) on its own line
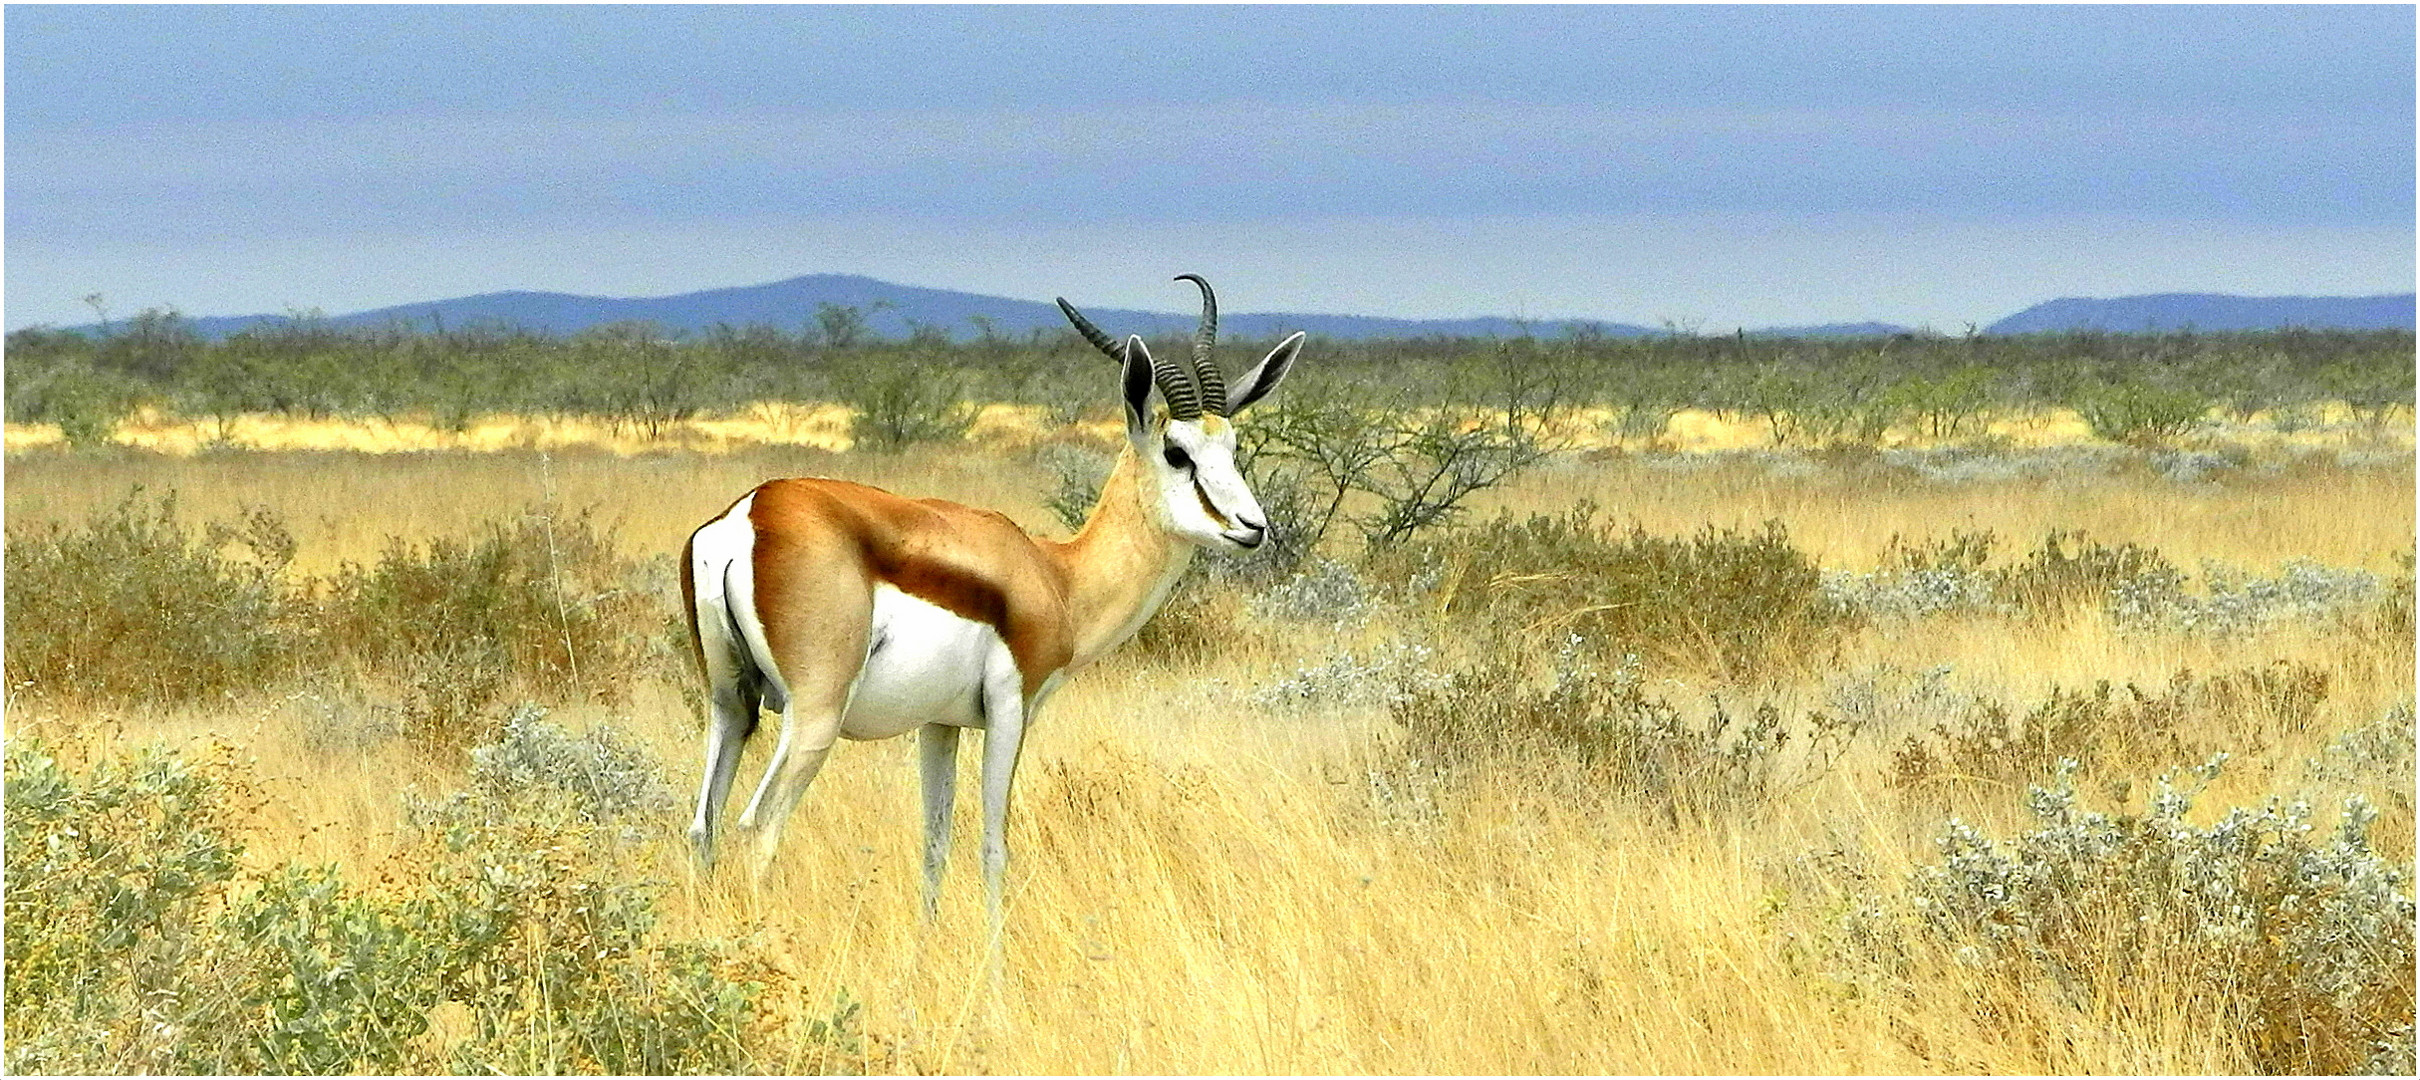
point(1202, 886)
point(658, 489)
point(825, 426)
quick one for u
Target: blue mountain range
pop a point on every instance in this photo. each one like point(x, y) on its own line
point(894, 311)
point(2212, 312)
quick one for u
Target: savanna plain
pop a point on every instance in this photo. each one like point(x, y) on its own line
point(1570, 734)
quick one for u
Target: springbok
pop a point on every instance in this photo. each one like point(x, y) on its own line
point(860, 614)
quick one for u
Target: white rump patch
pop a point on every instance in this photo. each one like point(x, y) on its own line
point(723, 572)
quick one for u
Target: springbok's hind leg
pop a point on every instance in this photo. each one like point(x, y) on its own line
point(938, 748)
point(730, 719)
point(817, 661)
point(807, 734)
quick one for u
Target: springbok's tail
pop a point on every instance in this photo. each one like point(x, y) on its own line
point(710, 594)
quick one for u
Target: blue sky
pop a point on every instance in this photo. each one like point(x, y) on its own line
point(1702, 166)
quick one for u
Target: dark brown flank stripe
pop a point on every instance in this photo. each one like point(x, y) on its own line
point(933, 550)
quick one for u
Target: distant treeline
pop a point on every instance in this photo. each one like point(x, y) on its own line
point(1809, 389)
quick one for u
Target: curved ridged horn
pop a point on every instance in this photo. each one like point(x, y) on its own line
point(1214, 385)
point(1183, 395)
point(1177, 385)
point(1091, 333)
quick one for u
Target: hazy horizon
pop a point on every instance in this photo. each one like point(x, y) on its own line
point(1713, 165)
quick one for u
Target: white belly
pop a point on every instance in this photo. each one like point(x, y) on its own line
point(924, 665)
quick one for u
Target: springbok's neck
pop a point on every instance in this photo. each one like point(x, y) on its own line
point(1122, 563)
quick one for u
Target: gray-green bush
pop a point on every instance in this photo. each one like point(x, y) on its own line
point(2307, 935)
point(138, 940)
point(898, 405)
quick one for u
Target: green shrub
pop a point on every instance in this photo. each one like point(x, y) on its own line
point(1831, 385)
point(1943, 403)
point(899, 404)
point(132, 606)
point(2141, 412)
point(1077, 473)
point(310, 977)
point(533, 926)
point(86, 404)
point(106, 872)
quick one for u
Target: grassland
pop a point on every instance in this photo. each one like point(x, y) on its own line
point(1239, 849)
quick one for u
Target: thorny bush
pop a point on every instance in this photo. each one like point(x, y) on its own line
point(2108, 730)
point(541, 604)
point(133, 606)
point(1623, 741)
point(1737, 602)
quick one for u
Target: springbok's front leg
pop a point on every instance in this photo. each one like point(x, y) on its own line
point(938, 745)
point(1004, 708)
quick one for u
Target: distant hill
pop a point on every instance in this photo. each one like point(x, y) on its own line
point(2210, 311)
point(892, 311)
point(1834, 330)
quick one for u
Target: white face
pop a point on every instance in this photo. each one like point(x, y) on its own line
point(1202, 493)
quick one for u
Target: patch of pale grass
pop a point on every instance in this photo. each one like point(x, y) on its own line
point(344, 506)
point(812, 425)
point(2357, 517)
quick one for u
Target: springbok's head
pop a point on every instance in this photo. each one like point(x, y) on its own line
point(1188, 453)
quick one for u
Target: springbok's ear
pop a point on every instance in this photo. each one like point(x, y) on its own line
point(1265, 375)
point(1135, 387)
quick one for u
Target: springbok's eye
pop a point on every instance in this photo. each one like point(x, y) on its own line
point(1176, 458)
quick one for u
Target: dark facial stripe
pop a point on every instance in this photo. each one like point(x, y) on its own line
point(1222, 520)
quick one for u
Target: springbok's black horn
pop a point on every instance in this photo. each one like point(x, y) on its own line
point(1214, 385)
point(1091, 333)
point(1184, 398)
point(1183, 394)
